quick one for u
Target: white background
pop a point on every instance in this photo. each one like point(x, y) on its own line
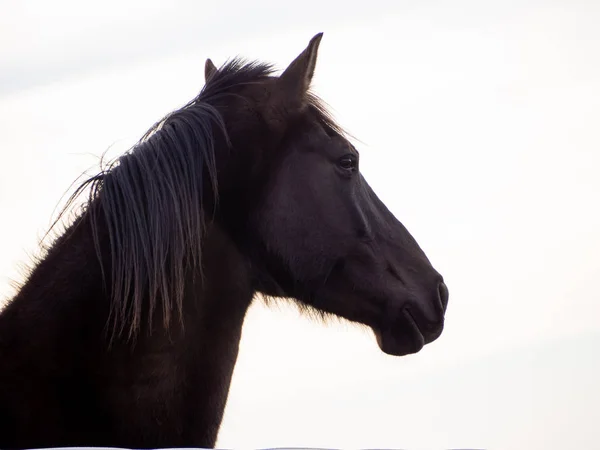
point(479, 128)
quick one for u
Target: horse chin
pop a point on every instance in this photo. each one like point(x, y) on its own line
point(395, 344)
point(400, 339)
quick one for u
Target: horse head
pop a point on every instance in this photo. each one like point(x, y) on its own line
point(309, 222)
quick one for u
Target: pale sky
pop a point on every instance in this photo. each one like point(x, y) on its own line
point(478, 127)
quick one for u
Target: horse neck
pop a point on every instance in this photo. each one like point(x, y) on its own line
point(54, 331)
point(63, 306)
point(202, 354)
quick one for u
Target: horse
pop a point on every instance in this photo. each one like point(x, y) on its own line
point(126, 331)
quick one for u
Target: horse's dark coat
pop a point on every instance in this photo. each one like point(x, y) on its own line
point(126, 333)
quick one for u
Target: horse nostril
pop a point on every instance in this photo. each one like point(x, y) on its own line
point(443, 294)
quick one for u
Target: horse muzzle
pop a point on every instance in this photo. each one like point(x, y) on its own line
point(408, 328)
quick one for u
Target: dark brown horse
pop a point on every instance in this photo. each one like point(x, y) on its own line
point(126, 332)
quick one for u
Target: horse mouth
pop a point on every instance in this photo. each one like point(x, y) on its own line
point(403, 337)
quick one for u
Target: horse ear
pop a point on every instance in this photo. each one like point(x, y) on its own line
point(209, 69)
point(298, 75)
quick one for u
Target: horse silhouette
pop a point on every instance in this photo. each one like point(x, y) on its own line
point(126, 332)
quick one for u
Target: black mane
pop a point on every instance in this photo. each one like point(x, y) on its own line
point(161, 178)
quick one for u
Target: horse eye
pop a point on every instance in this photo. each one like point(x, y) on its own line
point(348, 162)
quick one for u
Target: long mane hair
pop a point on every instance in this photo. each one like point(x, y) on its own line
point(151, 201)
